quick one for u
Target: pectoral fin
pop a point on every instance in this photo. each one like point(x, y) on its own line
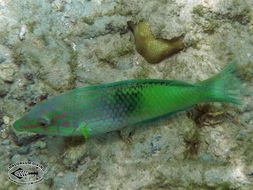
point(84, 130)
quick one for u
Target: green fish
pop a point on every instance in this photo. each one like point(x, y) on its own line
point(98, 109)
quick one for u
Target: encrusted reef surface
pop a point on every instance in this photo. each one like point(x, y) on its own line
point(48, 47)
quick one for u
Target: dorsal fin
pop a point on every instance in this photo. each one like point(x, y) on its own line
point(137, 82)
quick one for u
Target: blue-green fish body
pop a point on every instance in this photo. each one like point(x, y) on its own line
point(108, 107)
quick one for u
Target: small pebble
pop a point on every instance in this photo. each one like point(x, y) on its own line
point(61, 174)
point(24, 150)
point(251, 174)
point(5, 55)
point(4, 89)
point(3, 93)
point(2, 59)
point(4, 133)
point(242, 135)
point(5, 142)
point(17, 158)
point(6, 120)
point(22, 32)
point(7, 72)
point(206, 157)
point(40, 145)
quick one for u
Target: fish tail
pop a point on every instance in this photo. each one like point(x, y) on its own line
point(225, 86)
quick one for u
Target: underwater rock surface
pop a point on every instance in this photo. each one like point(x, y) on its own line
point(47, 47)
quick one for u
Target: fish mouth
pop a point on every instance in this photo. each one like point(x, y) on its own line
point(17, 125)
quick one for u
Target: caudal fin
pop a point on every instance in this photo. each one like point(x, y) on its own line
point(225, 86)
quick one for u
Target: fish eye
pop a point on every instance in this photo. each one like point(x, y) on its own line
point(44, 121)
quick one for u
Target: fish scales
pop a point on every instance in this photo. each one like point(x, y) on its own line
point(98, 109)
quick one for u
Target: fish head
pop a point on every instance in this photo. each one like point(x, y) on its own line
point(41, 120)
